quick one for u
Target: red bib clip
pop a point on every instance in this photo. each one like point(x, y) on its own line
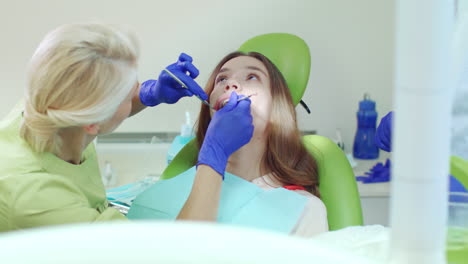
point(294, 187)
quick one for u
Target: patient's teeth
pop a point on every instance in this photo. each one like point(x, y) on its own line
point(224, 102)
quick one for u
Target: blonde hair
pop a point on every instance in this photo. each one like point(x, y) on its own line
point(285, 155)
point(79, 75)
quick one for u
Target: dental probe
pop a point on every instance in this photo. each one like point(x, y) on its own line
point(185, 86)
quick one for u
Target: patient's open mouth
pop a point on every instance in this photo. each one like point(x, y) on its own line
point(221, 103)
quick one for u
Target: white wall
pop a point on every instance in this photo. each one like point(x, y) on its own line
point(351, 43)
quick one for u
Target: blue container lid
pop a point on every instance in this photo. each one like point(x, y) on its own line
point(367, 104)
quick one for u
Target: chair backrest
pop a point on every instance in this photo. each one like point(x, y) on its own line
point(337, 183)
point(338, 187)
point(289, 53)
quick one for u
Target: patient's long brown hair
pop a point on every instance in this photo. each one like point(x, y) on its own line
point(285, 155)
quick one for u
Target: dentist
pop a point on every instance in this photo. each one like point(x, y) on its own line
point(81, 83)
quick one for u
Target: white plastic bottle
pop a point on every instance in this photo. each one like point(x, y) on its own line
point(109, 175)
point(186, 134)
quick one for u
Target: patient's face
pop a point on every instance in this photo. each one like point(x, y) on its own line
point(245, 75)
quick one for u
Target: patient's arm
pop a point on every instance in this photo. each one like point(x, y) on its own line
point(203, 202)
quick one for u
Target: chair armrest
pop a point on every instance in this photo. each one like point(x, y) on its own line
point(184, 160)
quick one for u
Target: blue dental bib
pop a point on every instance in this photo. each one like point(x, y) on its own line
point(241, 203)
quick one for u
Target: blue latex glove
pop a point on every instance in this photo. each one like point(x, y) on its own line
point(383, 135)
point(169, 91)
point(378, 173)
point(230, 128)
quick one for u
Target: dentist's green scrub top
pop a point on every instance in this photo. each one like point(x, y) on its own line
point(39, 189)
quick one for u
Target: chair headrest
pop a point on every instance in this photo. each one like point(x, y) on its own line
point(291, 56)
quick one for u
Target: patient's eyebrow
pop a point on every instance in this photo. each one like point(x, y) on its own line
point(248, 67)
point(257, 69)
point(223, 70)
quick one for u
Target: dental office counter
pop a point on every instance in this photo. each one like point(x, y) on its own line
point(375, 197)
point(375, 202)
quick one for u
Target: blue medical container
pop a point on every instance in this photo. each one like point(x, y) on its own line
point(364, 146)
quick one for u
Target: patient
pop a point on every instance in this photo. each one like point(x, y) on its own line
point(274, 165)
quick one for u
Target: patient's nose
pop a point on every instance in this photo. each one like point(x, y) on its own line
point(232, 85)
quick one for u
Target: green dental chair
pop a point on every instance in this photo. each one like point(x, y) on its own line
point(338, 186)
point(459, 170)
